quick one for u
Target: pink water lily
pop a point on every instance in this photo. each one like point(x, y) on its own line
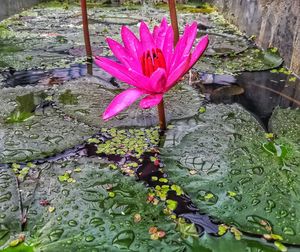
point(150, 64)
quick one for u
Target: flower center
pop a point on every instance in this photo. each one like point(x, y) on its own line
point(151, 60)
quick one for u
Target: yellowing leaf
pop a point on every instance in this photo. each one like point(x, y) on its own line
point(280, 246)
point(51, 209)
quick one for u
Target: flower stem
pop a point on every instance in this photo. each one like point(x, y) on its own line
point(86, 33)
point(161, 115)
point(174, 22)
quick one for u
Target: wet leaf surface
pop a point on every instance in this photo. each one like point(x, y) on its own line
point(180, 102)
point(237, 181)
point(249, 60)
point(225, 44)
point(30, 128)
point(88, 216)
point(10, 211)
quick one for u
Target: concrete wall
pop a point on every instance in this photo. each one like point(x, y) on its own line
point(276, 23)
point(10, 7)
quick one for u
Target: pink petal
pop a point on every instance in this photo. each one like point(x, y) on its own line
point(184, 45)
point(150, 101)
point(164, 24)
point(158, 80)
point(131, 43)
point(177, 74)
point(123, 56)
point(122, 101)
point(123, 73)
point(142, 81)
point(115, 69)
point(192, 33)
point(199, 50)
point(159, 33)
point(146, 37)
point(156, 30)
point(168, 46)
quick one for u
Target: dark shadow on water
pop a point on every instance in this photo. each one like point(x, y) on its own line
point(265, 90)
point(56, 76)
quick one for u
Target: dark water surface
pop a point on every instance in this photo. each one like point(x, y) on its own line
point(258, 92)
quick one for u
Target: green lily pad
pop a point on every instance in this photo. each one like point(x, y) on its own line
point(180, 102)
point(225, 44)
point(10, 211)
point(29, 130)
point(285, 123)
point(208, 243)
point(221, 162)
point(96, 212)
point(249, 60)
point(115, 20)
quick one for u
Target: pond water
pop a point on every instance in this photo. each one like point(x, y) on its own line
point(212, 182)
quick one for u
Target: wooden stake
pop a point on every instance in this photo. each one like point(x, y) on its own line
point(85, 25)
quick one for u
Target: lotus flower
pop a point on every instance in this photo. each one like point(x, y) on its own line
point(151, 65)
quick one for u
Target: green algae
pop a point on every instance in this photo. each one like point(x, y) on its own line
point(7, 47)
point(132, 141)
point(204, 8)
point(64, 4)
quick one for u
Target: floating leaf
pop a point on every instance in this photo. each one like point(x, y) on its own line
point(222, 229)
point(186, 229)
point(280, 246)
point(84, 210)
point(237, 180)
point(181, 103)
point(171, 204)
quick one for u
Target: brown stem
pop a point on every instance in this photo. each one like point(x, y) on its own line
point(85, 25)
point(174, 22)
point(161, 115)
